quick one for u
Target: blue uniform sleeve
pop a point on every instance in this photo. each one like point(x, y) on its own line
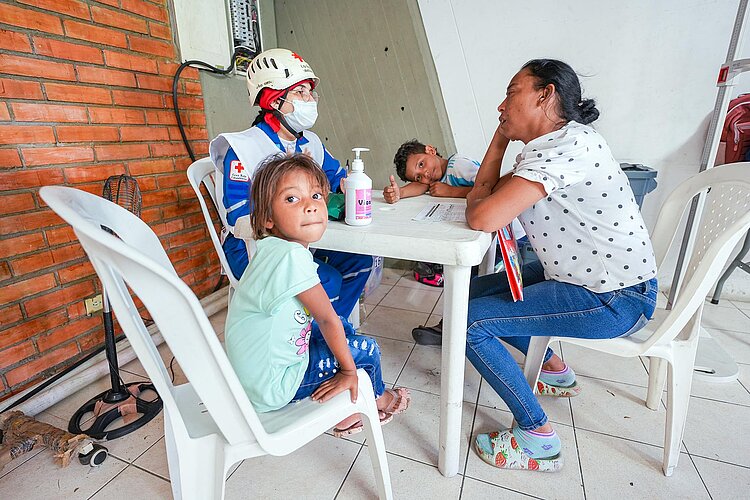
point(236, 192)
point(333, 170)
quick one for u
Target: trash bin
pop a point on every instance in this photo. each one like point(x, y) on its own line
point(642, 180)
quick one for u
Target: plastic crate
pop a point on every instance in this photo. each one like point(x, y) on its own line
point(642, 180)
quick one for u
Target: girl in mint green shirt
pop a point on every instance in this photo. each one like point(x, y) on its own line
point(281, 355)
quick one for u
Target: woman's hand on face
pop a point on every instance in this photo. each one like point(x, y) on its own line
point(392, 193)
point(343, 380)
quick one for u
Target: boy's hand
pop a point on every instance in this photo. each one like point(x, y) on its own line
point(392, 193)
point(343, 380)
point(441, 189)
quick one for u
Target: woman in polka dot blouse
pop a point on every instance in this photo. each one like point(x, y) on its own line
point(595, 277)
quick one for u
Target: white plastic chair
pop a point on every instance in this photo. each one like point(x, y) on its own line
point(671, 337)
point(199, 172)
point(209, 421)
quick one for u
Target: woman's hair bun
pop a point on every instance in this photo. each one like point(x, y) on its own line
point(588, 111)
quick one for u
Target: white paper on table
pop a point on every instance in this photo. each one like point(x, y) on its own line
point(441, 212)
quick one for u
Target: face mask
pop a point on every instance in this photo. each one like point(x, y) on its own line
point(304, 115)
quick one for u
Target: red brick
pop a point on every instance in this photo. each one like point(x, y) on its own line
point(155, 117)
point(145, 9)
point(150, 134)
point(113, 3)
point(83, 133)
point(5, 273)
point(168, 149)
point(168, 227)
point(57, 155)
point(37, 367)
point(200, 148)
point(8, 316)
point(94, 339)
point(26, 134)
point(193, 88)
point(118, 19)
point(91, 74)
point(21, 244)
point(20, 89)
point(43, 112)
point(27, 66)
point(114, 115)
point(67, 332)
point(77, 93)
point(30, 328)
point(168, 68)
point(60, 235)
point(130, 61)
point(197, 119)
point(152, 82)
point(67, 253)
point(96, 34)
point(162, 197)
point(27, 222)
point(30, 178)
point(160, 31)
point(173, 180)
point(59, 298)
point(11, 40)
point(4, 113)
point(138, 99)
point(192, 133)
point(121, 151)
point(13, 355)
point(12, 203)
point(181, 209)
point(77, 175)
point(151, 46)
point(31, 263)
point(75, 272)
point(68, 51)
point(31, 19)
point(25, 288)
point(72, 8)
point(149, 167)
point(147, 184)
point(187, 237)
point(186, 266)
point(184, 102)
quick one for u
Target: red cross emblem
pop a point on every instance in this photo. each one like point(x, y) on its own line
point(237, 172)
point(296, 56)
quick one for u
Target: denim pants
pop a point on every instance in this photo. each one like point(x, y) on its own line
point(323, 365)
point(549, 308)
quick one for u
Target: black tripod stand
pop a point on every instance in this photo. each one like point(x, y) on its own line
point(123, 401)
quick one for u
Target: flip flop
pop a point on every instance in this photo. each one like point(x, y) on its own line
point(501, 450)
point(544, 389)
point(400, 401)
point(359, 426)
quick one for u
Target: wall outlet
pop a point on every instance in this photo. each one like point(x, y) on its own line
point(94, 304)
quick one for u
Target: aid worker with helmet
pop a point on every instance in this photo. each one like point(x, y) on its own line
point(283, 85)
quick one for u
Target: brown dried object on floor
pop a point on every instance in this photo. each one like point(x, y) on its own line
point(21, 433)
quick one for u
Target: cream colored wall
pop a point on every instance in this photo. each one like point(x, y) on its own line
point(378, 82)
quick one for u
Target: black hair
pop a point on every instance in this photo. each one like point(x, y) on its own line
point(412, 147)
point(567, 86)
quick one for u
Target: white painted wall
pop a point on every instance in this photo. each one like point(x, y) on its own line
point(650, 65)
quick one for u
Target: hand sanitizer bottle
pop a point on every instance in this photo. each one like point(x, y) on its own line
point(358, 189)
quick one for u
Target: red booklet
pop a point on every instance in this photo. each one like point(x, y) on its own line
point(509, 249)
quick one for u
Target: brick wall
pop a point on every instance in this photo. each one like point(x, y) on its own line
point(85, 93)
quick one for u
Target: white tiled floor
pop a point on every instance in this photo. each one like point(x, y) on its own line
point(611, 441)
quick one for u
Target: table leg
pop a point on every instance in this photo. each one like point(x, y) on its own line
point(455, 310)
point(488, 262)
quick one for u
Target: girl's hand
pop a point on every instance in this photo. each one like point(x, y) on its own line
point(343, 380)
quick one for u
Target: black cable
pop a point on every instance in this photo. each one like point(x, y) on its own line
point(201, 65)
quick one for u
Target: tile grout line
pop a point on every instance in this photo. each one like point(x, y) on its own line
point(471, 435)
point(346, 476)
point(113, 478)
point(700, 476)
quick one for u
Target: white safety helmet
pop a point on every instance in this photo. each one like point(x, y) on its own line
point(276, 69)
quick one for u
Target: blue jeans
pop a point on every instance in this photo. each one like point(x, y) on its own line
point(323, 365)
point(549, 308)
point(343, 275)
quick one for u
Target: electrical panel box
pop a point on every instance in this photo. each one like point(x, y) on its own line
point(245, 31)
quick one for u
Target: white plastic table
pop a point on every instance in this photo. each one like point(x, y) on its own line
point(394, 234)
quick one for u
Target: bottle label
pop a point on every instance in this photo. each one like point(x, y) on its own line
point(364, 204)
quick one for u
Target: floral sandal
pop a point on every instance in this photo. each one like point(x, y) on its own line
point(501, 450)
point(400, 401)
point(544, 389)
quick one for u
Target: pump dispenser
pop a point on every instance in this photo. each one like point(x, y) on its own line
point(358, 189)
